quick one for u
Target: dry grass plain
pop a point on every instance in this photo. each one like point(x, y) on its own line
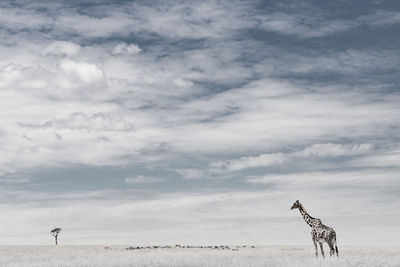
point(97, 256)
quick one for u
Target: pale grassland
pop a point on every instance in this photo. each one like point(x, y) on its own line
point(96, 256)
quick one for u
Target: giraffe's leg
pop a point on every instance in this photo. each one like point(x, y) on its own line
point(314, 240)
point(316, 248)
point(337, 251)
point(322, 249)
point(331, 249)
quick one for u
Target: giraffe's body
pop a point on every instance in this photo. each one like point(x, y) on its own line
point(320, 233)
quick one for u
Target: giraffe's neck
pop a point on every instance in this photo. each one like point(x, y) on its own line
point(307, 218)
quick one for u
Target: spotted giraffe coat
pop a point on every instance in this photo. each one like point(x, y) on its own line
point(319, 232)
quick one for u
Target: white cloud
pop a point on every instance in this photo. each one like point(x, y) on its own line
point(266, 160)
point(381, 17)
point(263, 160)
point(273, 112)
point(142, 180)
point(17, 76)
point(333, 150)
point(9, 74)
point(346, 62)
point(309, 26)
point(337, 181)
point(23, 19)
point(192, 173)
point(83, 71)
point(98, 121)
point(201, 20)
point(387, 159)
point(303, 26)
point(182, 82)
point(130, 49)
point(62, 48)
point(15, 180)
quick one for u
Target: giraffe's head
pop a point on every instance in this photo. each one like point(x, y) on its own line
point(295, 205)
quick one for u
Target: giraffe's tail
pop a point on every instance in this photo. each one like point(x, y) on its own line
point(337, 251)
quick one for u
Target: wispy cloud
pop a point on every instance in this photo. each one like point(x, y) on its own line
point(142, 180)
point(364, 183)
point(79, 121)
point(62, 48)
point(192, 173)
point(387, 159)
point(333, 150)
point(126, 49)
point(263, 160)
point(328, 150)
point(308, 26)
point(303, 26)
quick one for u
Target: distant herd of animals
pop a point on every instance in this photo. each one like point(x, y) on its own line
point(222, 247)
point(320, 233)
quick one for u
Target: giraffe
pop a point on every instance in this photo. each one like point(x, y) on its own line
point(319, 232)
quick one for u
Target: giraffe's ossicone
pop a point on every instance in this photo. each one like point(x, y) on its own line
point(320, 232)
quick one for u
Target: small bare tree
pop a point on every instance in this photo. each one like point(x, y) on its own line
point(55, 233)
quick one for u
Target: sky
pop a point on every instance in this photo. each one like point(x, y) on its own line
point(199, 122)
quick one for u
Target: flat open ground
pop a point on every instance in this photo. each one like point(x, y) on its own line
point(259, 256)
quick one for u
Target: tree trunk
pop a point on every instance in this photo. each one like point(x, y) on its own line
point(56, 240)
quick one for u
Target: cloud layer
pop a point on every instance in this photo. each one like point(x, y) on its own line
point(212, 115)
